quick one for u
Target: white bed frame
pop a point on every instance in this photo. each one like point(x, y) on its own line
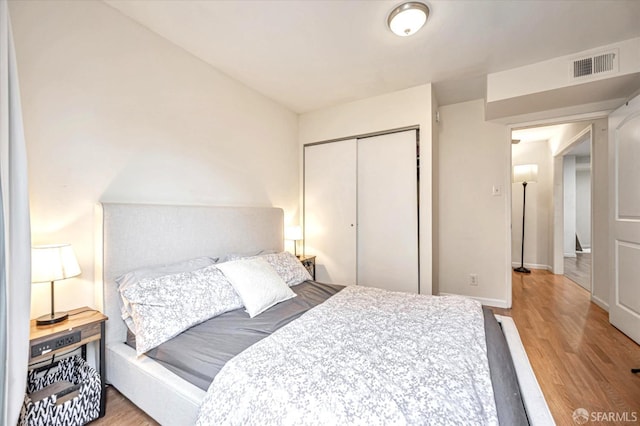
point(137, 235)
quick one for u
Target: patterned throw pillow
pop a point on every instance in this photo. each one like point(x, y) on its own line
point(286, 265)
point(133, 277)
point(163, 307)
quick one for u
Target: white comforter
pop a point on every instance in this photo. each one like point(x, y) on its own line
point(367, 357)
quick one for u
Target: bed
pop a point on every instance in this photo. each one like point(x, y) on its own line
point(137, 236)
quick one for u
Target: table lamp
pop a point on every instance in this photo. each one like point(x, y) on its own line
point(294, 233)
point(53, 263)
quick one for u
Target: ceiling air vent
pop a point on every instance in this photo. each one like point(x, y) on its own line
point(594, 65)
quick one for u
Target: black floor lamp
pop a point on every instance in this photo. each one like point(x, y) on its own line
point(526, 174)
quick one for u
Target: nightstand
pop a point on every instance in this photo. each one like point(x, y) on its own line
point(309, 262)
point(85, 325)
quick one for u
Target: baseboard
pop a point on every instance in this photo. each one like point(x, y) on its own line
point(570, 255)
point(585, 250)
point(604, 305)
point(496, 303)
point(532, 266)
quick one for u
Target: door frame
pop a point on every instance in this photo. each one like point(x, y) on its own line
point(557, 248)
point(557, 266)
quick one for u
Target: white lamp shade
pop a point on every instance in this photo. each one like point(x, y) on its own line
point(525, 173)
point(293, 233)
point(408, 18)
point(53, 263)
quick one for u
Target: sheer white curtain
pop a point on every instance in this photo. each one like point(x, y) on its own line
point(15, 239)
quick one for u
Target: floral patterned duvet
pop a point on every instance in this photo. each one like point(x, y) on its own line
point(366, 357)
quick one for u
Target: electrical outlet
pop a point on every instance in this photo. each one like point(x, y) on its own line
point(496, 191)
point(56, 343)
point(473, 280)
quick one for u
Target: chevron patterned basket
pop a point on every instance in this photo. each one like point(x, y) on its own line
point(81, 397)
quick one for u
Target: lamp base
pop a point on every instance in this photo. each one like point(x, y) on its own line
point(54, 318)
point(522, 269)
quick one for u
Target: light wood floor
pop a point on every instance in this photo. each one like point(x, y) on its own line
point(121, 412)
point(578, 269)
point(579, 359)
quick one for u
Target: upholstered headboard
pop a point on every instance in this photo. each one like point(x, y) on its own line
point(142, 235)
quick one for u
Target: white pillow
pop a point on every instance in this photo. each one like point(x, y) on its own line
point(163, 307)
point(284, 263)
point(258, 284)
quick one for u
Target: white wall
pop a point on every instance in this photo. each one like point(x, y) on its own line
point(583, 202)
point(538, 245)
point(569, 188)
point(554, 73)
point(394, 110)
point(473, 157)
point(544, 90)
point(113, 112)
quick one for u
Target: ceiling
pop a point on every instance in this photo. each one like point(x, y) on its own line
point(536, 134)
point(310, 54)
point(580, 148)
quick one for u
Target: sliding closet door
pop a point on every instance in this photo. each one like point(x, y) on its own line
point(388, 212)
point(330, 210)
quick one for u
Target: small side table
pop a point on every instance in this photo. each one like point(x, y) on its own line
point(309, 262)
point(48, 340)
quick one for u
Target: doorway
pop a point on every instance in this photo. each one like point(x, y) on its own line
point(576, 189)
point(559, 202)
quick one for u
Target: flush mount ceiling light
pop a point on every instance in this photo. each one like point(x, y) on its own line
point(408, 18)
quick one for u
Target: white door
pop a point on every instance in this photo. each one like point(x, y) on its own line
point(330, 210)
point(624, 154)
point(388, 212)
